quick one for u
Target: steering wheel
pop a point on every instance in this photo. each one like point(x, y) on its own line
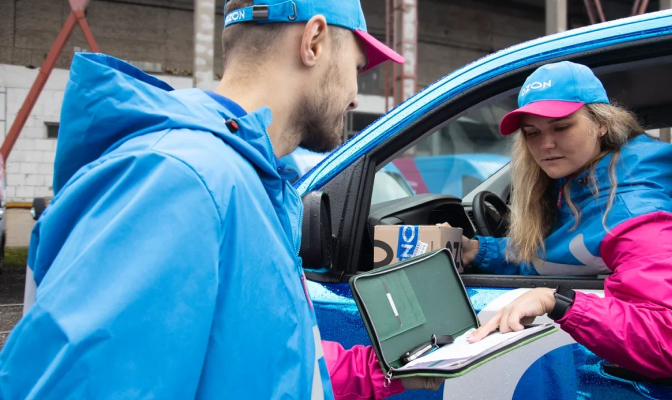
point(491, 215)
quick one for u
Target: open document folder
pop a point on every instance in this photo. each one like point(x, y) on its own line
point(462, 352)
point(405, 304)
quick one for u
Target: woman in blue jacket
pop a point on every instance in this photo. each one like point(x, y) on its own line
point(591, 196)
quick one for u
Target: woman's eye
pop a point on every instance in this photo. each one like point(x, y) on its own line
point(530, 134)
point(561, 128)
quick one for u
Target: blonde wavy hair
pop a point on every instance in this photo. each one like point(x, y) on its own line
point(533, 201)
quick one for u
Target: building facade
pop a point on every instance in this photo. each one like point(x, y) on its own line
point(157, 36)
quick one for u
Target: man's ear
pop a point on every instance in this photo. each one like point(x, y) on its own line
point(314, 40)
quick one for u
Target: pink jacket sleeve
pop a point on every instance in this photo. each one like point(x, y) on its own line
point(632, 325)
point(356, 374)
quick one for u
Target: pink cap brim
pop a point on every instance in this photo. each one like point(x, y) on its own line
point(377, 52)
point(545, 108)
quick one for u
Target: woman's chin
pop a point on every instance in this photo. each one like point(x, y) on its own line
point(556, 173)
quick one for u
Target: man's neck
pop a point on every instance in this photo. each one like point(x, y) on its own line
point(263, 91)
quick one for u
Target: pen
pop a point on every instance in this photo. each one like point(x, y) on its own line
point(425, 348)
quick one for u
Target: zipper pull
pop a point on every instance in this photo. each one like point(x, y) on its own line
point(388, 379)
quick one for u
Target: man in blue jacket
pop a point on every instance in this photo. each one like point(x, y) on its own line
point(167, 263)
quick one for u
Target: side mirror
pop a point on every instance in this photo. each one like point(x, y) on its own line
point(316, 239)
point(39, 205)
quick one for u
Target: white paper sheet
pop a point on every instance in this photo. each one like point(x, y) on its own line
point(461, 349)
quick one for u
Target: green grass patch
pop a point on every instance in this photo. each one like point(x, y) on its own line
point(15, 257)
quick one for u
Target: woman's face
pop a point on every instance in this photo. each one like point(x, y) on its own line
point(562, 146)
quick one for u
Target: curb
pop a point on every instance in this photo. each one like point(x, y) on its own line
point(18, 204)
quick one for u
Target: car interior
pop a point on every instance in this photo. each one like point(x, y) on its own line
point(635, 76)
point(644, 87)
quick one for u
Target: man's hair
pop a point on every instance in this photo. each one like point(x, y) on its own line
point(246, 41)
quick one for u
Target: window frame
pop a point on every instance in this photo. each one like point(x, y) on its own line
point(351, 189)
point(50, 126)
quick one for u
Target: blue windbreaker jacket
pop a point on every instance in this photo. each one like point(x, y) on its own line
point(167, 263)
point(644, 177)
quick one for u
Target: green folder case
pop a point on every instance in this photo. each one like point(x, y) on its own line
point(403, 304)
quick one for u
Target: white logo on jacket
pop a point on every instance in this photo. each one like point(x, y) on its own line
point(590, 264)
point(318, 388)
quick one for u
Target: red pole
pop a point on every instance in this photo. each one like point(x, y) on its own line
point(35, 90)
point(589, 9)
point(642, 7)
point(76, 17)
point(81, 19)
point(387, 65)
point(599, 10)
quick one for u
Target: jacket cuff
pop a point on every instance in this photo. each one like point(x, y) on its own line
point(574, 316)
point(396, 386)
point(482, 260)
point(378, 379)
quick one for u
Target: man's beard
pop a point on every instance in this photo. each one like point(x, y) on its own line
point(320, 126)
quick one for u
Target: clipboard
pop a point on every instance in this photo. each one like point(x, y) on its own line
point(402, 305)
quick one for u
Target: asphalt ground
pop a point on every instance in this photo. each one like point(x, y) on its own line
point(13, 275)
point(12, 282)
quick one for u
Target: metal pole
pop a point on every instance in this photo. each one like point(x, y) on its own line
point(589, 10)
point(36, 89)
point(665, 134)
point(635, 8)
point(599, 10)
point(556, 16)
point(642, 7)
point(409, 49)
point(387, 65)
point(88, 35)
point(75, 17)
point(204, 43)
point(395, 44)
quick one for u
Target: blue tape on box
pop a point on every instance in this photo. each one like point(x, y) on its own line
point(408, 239)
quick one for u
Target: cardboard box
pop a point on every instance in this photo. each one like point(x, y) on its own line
point(394, 243)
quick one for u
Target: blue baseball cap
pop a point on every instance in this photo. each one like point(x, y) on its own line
point(347, 14)
point(555, 91)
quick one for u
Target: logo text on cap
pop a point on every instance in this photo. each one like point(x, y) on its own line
point(534, 85)
point(235, 16)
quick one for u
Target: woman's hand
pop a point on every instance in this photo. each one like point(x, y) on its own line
point(521, 311)
point(469, 247)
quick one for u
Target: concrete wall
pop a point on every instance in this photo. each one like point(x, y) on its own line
point(158, 36)
point(30, 166)
point(153, 31)
point(451, 33)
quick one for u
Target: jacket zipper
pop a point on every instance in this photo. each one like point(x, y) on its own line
point(299, 233)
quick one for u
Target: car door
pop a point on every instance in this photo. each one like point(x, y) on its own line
point(622, 52)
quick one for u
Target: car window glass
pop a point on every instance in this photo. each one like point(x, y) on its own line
point(388, 185)
point(454, 159)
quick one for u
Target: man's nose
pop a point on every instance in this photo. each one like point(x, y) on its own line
point(354, 104)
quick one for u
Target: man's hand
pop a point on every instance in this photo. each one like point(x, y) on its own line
point(422, 382)
point(521, 311)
